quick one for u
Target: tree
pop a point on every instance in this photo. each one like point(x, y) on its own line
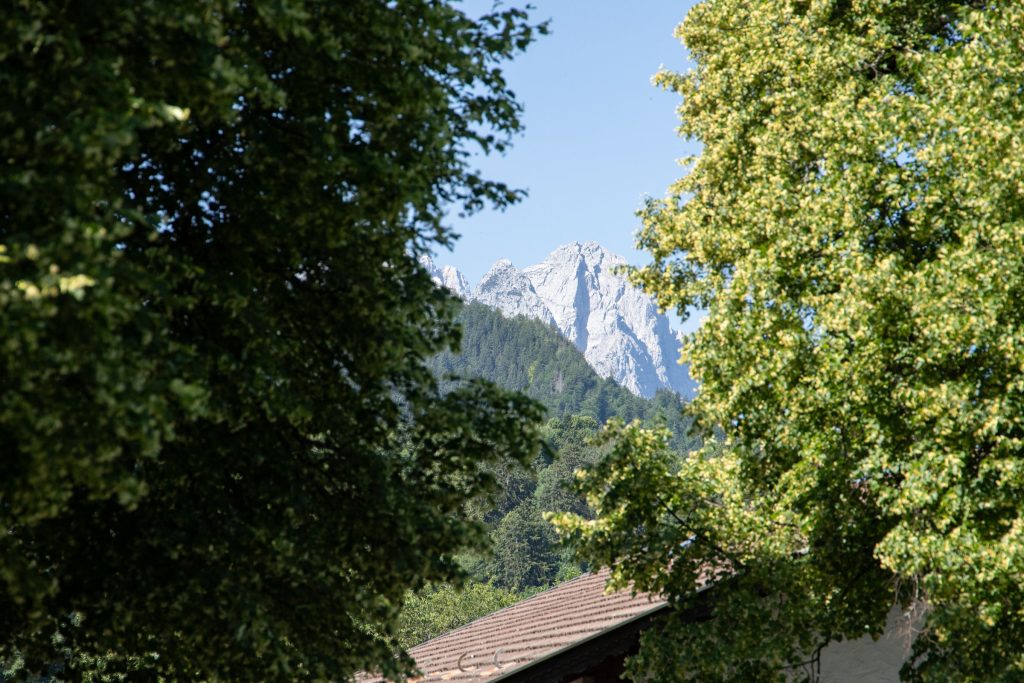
point(853, 227)
point(224, 457)
point(525, 554)
point(439, 609)
point(572, 438)
point(516, 483)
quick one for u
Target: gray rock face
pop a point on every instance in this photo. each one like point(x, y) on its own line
point(512, 293)
point(616, 326)
point(447, 276)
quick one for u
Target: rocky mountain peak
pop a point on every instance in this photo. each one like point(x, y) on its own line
point(616, 325)
point(579, 290)
point(447, 276)
point(511, 292)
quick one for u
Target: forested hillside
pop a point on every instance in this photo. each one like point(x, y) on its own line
point(530, 356)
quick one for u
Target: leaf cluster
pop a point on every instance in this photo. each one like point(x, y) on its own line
point(853, 226)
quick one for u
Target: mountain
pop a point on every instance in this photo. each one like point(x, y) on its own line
point(512, 293)
point(447, 276)
point(532, 357)
point(616, 325)
point(578, 289)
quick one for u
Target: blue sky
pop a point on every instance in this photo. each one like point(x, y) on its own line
point(599, 137)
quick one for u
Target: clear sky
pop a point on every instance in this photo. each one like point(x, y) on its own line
point(599, 137)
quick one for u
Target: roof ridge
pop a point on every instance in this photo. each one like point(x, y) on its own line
point(509, 607)
point(542, 622)
point(574, 611)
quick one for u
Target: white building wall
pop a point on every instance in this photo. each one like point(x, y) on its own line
point(869, 661)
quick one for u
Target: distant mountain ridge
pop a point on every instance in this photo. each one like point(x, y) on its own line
point(578, 290)
point(448, 276)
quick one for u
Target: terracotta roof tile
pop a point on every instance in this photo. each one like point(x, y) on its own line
point(515, 636)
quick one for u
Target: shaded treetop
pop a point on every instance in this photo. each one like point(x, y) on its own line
point(221, 445)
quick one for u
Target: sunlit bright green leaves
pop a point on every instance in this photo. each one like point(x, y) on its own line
point(854, 228)
point(439, 609)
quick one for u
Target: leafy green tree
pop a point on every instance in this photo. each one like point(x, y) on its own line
point(572, 437)
point(525, 551)
point(221, 443)
point(442, 608)
point(853, 227)
point(515, 483)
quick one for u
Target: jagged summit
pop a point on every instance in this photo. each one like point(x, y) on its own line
point(511, 292)
point(579, 290)
point(617, 326)
point(447, 276)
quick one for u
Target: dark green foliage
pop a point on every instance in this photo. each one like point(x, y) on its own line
point(525, 553)
point(516, 484)
point(220, 440)
point(528, 356)
point(571, 437)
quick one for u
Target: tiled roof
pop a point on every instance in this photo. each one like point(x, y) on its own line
point(510, 639)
